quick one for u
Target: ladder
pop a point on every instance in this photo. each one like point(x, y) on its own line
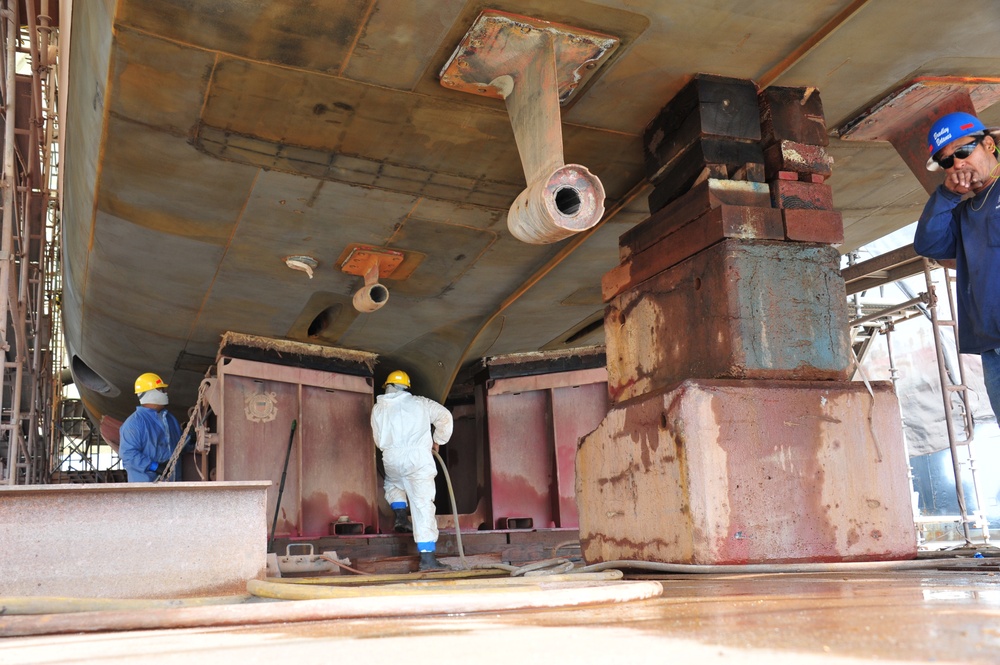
point(951, 388)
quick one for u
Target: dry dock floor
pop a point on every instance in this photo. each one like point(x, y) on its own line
point(897, 617)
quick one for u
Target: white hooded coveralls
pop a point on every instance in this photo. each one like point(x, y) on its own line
point(401, 424)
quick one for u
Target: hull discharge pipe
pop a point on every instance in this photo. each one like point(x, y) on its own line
point(535, 66)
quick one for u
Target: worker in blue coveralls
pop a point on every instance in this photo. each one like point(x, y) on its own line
point(961, 221)
point(401, 425)
point(147, 438)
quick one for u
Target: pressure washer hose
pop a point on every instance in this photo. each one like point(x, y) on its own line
point(454, 509)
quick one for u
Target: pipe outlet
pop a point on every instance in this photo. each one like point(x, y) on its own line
point(371, 297)
point(569, 200)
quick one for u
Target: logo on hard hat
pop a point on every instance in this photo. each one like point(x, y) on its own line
point(943, 135)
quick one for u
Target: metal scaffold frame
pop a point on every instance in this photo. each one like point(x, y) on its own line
point(29, 261)
point(892, 267)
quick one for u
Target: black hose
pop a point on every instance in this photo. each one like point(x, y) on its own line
point(281, 488)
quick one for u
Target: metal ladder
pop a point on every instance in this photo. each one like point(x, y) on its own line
point(950, 388)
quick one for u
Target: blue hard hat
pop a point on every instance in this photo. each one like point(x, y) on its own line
point(949, 128)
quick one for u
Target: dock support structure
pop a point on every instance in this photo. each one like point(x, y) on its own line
point(735, 435)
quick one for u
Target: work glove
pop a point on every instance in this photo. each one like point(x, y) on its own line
point(152, 467)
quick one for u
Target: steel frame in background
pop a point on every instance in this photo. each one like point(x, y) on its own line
point(892, 267)
point(29, 260)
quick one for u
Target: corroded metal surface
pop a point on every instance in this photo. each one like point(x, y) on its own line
point(331, 472)
point(136, 540)
point(717, 472)
point(567, 201)
point(204, 144)
point(904, 117)
point(534, 425)
point(497, 40)
point(740, 309)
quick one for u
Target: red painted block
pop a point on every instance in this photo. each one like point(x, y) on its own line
point(797, 158)
point(814, 226)
point(677, 244)
point(797, 194)
point(332, 470)
point(750, 309)
point(734, 472)
point(792, 114)
point(533, 424)
point(709, 194)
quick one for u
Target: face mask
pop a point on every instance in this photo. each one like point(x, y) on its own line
point(156, 397)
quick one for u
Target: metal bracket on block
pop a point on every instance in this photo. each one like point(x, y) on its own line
point(304, 562)
point(370, 262)
point(362, 258)
point(535, 66)
point(904, 117)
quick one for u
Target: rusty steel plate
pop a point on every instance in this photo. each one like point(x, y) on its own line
point(359, 259)
point(912, 102)
point(499, 43)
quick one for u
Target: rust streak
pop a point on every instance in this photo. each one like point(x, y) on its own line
point(357, 37)
point(812, 42)
point(222, 259)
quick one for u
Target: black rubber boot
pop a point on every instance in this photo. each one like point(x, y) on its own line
point(430, 562)
point(402, 524)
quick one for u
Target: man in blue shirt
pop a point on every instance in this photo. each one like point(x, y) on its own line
point(961, 221)
point(147, 438)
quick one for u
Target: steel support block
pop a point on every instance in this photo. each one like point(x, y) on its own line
point(137, 540)
point(732, 472)
point(739, 309)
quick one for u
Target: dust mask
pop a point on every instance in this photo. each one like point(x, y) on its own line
point(157, 397)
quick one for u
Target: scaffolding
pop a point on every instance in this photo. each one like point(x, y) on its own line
point(869, 322)
point(29, 262)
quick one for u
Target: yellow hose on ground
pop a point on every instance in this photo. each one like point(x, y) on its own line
point(284, 591)
point(490, 579)
point(246, 614)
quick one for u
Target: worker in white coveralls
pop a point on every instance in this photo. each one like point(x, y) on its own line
point(401, 424)
point(147, 438)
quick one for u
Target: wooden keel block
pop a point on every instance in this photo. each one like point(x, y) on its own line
point(800, 158)
point(792, 114)
point(687, 240)
point(701, 198)
point(708, 105)
point(787, 194)
point(705, 158)
point(826, 226)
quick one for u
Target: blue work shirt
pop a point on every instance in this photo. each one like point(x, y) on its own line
point(145, 437)
point(969, 232)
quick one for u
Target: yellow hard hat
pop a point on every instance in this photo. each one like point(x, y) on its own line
point(398, 377)
point(148, 381)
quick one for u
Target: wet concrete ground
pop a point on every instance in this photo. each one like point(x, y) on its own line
point(916, 616)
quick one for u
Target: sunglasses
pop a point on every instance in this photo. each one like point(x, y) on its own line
point(961, 152)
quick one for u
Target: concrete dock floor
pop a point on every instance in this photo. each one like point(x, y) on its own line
point(899, 617)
